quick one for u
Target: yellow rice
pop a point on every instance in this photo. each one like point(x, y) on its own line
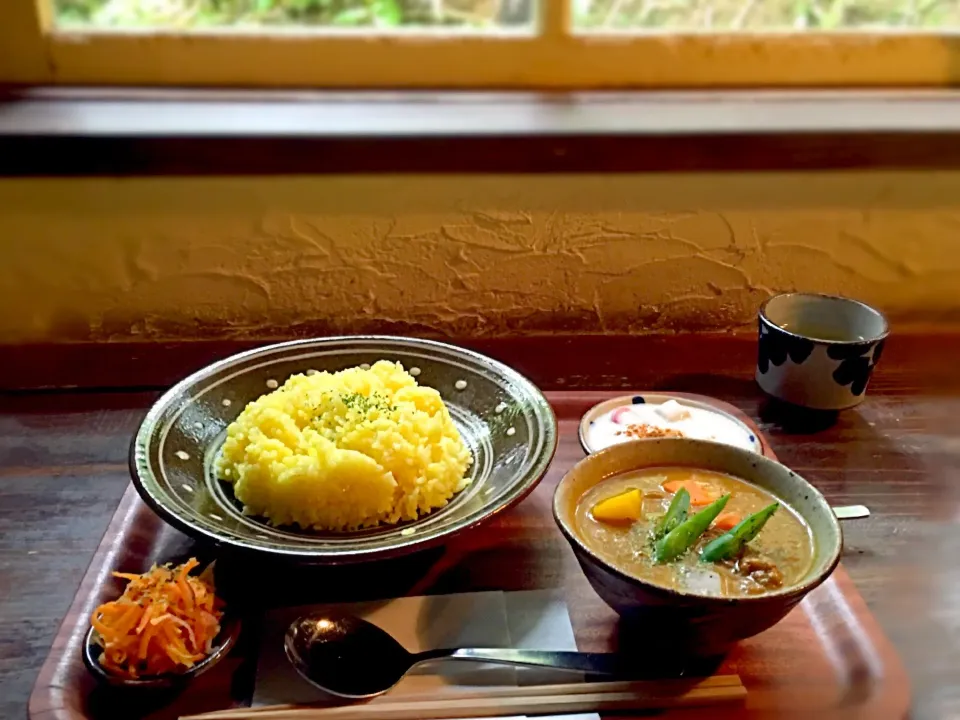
point(345, 450)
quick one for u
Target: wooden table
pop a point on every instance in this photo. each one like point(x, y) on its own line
point(63, 470)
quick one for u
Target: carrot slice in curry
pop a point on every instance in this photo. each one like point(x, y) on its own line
point(727, 520)
point(699, 494)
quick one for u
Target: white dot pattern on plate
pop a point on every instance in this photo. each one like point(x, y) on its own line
point(500, 408)
point(511, 431)
point(216, 517)
point(364, 366)
point(182, 455)
point(415, 371)
point(460, 384)
point(187, 488)
point(272, 384)
point(226, 402)
point(407, 531)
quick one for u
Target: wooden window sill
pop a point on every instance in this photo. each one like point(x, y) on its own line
point(69, 132)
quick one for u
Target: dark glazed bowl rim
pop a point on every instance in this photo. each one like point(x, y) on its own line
point(682, 596)
point(823, 296)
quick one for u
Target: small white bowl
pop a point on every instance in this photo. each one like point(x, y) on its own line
point(728, 429)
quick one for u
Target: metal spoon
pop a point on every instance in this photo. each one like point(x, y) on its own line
point(352, 658)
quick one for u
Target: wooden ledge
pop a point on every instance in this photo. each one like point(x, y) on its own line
point(617, 361)
point(69, 132)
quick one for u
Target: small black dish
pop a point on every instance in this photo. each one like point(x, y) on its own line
point(229, 633)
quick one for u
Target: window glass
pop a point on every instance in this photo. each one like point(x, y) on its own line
point(765, 15)
point(188, 15)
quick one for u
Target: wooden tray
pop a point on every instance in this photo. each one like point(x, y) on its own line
point(828, 658)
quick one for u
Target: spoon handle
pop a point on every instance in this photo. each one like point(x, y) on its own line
point(590, 663)
point(851, 512)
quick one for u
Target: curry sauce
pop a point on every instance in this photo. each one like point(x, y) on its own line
point(779, 556)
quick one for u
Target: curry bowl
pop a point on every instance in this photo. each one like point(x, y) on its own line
point(678, 619)
point(503, 419)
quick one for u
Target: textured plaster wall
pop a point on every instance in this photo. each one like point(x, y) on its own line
point(173, 257)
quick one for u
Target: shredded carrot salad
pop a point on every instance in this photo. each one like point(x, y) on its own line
point(165, 621)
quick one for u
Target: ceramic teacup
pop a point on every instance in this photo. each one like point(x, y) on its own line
point(818, 351)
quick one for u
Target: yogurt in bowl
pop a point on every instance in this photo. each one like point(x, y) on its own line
point(659, 415)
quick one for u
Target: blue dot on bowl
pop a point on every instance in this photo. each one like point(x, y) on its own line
point(637, 400)
point(591, 422)
point(752, 439)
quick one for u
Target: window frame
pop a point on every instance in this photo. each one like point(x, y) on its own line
point(33, 51)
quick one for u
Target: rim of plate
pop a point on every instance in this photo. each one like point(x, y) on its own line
point(543, 442)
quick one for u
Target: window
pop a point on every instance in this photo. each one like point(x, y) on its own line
point(562, 44)
point(769, 15)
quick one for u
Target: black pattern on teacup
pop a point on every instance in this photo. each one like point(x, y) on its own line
point(775, 346)
point(856, 364)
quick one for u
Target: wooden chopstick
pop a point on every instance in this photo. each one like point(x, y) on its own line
point(500, 701)
point(668, 686)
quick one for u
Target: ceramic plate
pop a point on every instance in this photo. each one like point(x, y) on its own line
point(504, 419)
point(706, 421)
